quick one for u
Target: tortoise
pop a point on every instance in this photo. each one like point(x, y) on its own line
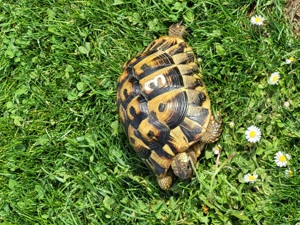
point(165, 109)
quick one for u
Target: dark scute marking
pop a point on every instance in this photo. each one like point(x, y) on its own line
point(120, 85)
point(164, 45)
point(150, 45)
point(190, 132)
point(161, 107)
point(147, 70)
point(132, 111)
point(201, 117)
point(136, 90)
point(132, 76)
point(159, 62)
point(132, 140)
point(194, 85)
point(125, 93)
point(150, 134)
point(179, 103)
point(126, 121)
point(196, 69)
point(138, 118)
point(133, 79)
point(175, 76)
point(139, 58)
point(141, 99)
point(160, 152)
point(167, 45)
point(201, 97)
point(193, 70)
point(199, 82)
point(144, 153)
point(157, 168)
point(190, 58)
point(173, 147)
point(155, 45)
point(183, 44)
point(164, 131)
point(179, 49)
point(163, 59)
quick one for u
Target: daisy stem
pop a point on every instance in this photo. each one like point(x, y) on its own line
point(253, 156)
point(218, 159)
point(217, 171)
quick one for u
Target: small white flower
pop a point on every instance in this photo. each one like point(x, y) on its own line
point(257, 20)
point(281, 159)
point(290, 60)
point(289, 173)
point(253, 134)
point(248, 178)
point(286, 104)
point(274, 78)
point(217, 149)
point(231, 124)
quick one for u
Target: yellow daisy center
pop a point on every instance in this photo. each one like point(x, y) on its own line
point(292, 59)
point(290, 173)
point(252, 134)
point(252, 178)
point(257, 19)
point(217, 148)
point(282, 158)
point(275, 78)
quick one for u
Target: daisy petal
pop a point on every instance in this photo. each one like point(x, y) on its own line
point(248, 178)
point(281, 159)
point(257, 20)
point(253, 134)
point(274, 78)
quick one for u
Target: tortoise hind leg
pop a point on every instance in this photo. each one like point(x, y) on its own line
point(213, 130)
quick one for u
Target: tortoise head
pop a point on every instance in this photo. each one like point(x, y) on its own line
point(182, 164)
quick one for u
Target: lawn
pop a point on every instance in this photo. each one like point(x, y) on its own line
point(64, 158)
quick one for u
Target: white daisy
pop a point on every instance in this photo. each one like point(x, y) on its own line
point(248, 178)
point(217, 149)
point(274, 78)
point(290, 60)
point(281, 159)
point(257, 20)
point(289, 173)
point(253, 134)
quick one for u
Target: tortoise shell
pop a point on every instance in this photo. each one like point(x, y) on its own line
point(162, 102)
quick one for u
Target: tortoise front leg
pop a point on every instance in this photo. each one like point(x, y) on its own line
point(165, 181)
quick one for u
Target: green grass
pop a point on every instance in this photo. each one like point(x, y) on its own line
point(63, 156)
